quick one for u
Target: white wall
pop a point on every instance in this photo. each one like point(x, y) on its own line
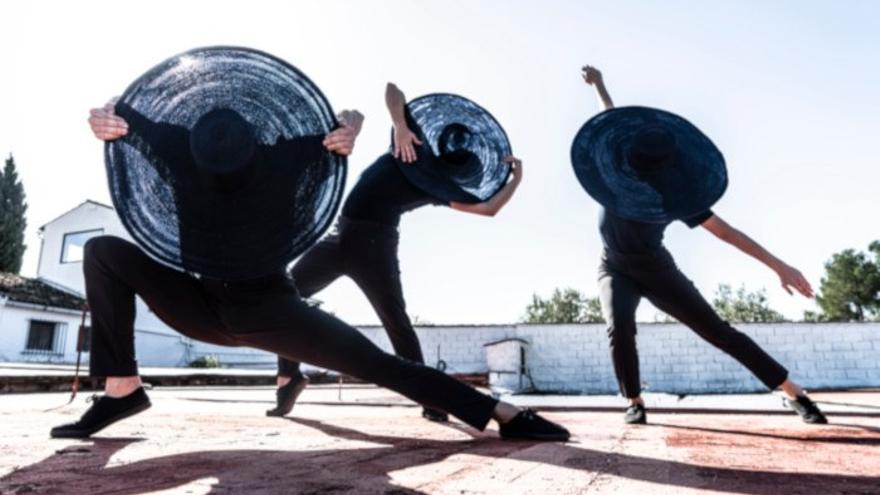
point(91, 216)
point(87, 216)
point(575, 358)
point(14, 326)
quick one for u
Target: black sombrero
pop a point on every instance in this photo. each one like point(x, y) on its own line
point(465, 148)
point(647, 164)
point(222, 172)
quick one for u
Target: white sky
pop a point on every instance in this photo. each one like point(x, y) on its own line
point(788, 90)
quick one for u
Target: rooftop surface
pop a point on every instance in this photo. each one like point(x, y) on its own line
point(37, 292)
point(361, 439)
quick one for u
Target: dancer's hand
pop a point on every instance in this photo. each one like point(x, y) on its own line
point(105, 124)
point(405, 142)
point(515, 167)
point(591, 75)
point(341, 141)
point(790, 278)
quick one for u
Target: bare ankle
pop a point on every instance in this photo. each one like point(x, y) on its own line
point(636, 401)
point(792, 390)
point(120, 386)
point(504, 412)
point(282, 380)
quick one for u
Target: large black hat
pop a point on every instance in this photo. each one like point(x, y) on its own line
point(647, 164)
point(466, 148)
point(222, 172)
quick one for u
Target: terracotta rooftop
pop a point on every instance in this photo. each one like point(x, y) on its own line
point(34, 291)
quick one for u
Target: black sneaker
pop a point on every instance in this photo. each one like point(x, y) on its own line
point(527, 425)
point(635, 415)
point(807, 409)
point(435, 415)
point(104, 412)
point(285, 397)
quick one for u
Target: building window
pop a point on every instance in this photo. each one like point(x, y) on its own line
point(45, 337)
point(72, 247)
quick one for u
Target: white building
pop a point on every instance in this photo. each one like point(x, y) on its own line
point(38, 322)
point(60, 269)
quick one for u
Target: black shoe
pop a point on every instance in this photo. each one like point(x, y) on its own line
point(527, 425)
point(635, 415)
point(285, 397)
point(435, 415)
point(104, 412)
point(807, 409)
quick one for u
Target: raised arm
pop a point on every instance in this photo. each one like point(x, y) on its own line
point(494, 204)
point(163, 143)
point(405, 140)
point(593, 77)
point(789, 276)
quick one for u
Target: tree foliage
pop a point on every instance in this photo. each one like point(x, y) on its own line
point(850, 289)
point(564, 306)
point(12, 218)
point(743, 306)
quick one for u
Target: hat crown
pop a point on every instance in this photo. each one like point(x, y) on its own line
point(454, 138)
point(652, 147)
point(222, 141)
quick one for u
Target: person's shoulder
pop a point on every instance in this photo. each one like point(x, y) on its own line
point(698, 219)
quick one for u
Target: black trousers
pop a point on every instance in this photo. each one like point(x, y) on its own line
point(624, 280)
point(367, 253)
point(266, 314)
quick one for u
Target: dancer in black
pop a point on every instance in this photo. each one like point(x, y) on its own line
point(363, 246)
point(263, 311)
point(635, 263)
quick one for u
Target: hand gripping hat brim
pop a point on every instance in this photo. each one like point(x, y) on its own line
point(243, 224)
point(472, 179)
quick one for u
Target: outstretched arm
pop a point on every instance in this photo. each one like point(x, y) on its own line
point(405, 140)
point(494, 204)
point(789, 276)
point(593, 77)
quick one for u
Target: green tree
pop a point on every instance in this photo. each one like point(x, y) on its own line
point(850, 289)
point(564, 306)
point(12, 218)
point(743, 306)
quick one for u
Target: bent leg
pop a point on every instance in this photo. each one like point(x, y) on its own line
point(115, 271)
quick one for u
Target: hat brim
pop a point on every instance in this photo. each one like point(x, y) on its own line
point(687, 185)
point(259, 228)
point(483, 176)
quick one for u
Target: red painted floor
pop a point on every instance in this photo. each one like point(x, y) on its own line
point(218, 441)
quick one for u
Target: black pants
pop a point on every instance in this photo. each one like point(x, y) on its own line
point(367, 253)
point(623, 280)
point(266, 314)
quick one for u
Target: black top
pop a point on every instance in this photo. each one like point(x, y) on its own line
point(218, 214)
point(632, 237)
point(382, 194)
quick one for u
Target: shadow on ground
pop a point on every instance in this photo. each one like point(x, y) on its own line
point(84, 468)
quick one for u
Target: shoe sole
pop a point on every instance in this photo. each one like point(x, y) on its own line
point(119, 417)
point(279, 411)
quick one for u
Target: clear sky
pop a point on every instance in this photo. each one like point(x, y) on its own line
point(787, 89)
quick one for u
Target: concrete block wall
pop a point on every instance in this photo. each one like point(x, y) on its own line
point(575, 358)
